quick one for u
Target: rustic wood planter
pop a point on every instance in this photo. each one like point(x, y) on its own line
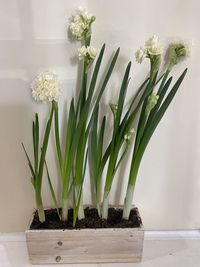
point(85, 245)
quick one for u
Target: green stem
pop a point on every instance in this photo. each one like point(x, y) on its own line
point(98, 204)
point(64, 209)
point(83, 89)
point(163, 81)
point(128, 201)
point(65, 192)
point(142, 118)
point(98, 201)
point(109, 180)
point(78, 211)
point(155, 65)
point(122, 156)
point(40, 208)
point(135, 164)
point(105, 205)
point(81, 214)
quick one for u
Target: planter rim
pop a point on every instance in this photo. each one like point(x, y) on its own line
point(86, 230)
point(141, 227)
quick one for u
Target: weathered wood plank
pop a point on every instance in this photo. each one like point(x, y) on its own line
point(84, 246)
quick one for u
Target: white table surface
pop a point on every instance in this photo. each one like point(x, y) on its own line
point(160, 250)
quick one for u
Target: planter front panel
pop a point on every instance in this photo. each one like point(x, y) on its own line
point(85, 245)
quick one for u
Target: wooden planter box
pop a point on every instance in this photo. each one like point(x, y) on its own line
point(85, 245)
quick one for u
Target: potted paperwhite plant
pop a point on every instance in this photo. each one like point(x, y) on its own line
point(106, 234)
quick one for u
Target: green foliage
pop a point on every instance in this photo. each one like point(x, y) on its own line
point(96, 141)
point(39, 162)
point(85, 131)
point(145, 129)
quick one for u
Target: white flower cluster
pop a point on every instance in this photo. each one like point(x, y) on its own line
point(140, 54)
point(45, 87)
point(88, 51)
point(152, 48)
point(81, 23)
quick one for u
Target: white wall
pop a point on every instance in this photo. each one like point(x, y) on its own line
point(33, 37)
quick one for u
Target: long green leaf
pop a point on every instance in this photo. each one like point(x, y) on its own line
point(53, 195)
point(70, 131)
point(143, 116)
point(134, 99)
point(101, 139)
point(79, 194)
point(57, 136)
point(161, 97)
point(83, 88)
point(105, 82)
point(79, 157)
point(114, 150)
point(159, 116)
point(92, 145)
point(44, 149)
point(122, 94)
point(127, 122)
point(35, 131)
point(29, 161)
point(95, 75)
point(123, 123)
point(105, 157)
point(84, 115)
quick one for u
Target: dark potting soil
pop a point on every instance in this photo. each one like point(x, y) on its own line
point(91, 220)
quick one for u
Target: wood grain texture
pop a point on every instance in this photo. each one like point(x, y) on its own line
point(85, 245)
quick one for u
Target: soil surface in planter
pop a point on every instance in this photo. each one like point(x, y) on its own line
point(91, 220)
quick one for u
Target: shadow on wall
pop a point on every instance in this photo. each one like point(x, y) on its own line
point(16, 194)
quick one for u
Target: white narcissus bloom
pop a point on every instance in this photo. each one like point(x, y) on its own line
point(188, 44)
point(153, 46)
point(90, 52)
point(84, 13)
point(179, 51)
point(82, 52)
point(155, 49)
point(152, 40)
point(81, 24)
point(140, 54)
point(77, 30)
point(45, 87)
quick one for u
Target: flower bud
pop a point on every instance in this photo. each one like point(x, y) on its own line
point(114, 108)
point(152, 101)
point(127, 136)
